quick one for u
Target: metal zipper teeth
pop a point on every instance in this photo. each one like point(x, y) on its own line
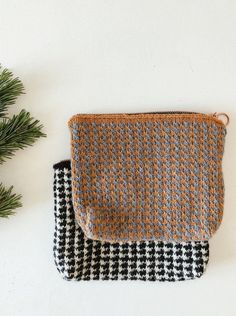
point(215, 115)
point(163, 112)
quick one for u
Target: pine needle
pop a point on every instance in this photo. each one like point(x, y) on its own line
point(10, 89)
point(18, 132)
point(8, 201)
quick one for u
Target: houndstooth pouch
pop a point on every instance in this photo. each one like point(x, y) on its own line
point(80, 258)
point(152, 176)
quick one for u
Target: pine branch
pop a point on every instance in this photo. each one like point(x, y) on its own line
point(10, 89)
point(18, 132)
point(8, 201)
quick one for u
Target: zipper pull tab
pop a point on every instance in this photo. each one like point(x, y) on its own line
point(223, 117)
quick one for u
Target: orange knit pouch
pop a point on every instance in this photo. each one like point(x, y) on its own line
point(149, 176)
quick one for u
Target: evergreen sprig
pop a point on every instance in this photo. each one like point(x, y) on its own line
point(16, 132)
point(8, 201)
point(10, 89)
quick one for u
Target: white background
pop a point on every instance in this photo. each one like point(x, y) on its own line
point(99, 56)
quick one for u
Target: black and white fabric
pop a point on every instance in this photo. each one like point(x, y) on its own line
point(79, 258)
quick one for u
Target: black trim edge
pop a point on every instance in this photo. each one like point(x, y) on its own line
point(62, 164)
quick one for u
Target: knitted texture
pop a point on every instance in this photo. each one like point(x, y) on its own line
point(80, 258)
point(147, 176)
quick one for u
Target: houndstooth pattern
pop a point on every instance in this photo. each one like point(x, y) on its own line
point(148, 177)
point(79, 258)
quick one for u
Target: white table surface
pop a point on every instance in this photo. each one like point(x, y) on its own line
point(99, 56)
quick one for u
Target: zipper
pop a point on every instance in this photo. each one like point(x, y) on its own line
point(163, 112)
point(220, 116)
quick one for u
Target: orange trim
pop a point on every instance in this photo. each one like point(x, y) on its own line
point(103, 118)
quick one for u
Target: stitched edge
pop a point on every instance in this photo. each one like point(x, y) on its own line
point(121, 117)
point(62, 164)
